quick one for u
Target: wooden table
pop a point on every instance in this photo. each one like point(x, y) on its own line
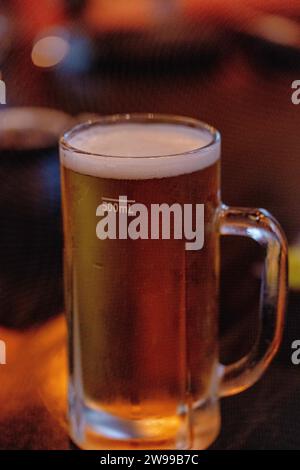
point(33, 395)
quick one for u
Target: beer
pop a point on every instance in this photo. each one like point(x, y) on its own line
point(142, 219)
point(142, 313)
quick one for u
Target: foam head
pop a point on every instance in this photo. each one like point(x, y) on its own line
point(139, 150)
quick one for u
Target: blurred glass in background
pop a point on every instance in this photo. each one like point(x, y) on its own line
point(30, 235)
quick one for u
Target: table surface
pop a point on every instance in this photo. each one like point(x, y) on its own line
point(33, 395)
point(261, 166)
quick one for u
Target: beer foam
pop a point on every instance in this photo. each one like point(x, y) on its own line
point(139, 151)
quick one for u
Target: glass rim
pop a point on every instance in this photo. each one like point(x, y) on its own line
point(141, 118)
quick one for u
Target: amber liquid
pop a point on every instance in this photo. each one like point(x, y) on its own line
point(142, 313)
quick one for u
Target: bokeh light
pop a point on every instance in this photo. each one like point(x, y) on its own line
point(49, 51)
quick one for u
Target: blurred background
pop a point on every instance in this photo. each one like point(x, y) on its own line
point(229, 63)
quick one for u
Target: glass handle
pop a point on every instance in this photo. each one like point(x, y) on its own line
point(260, 226)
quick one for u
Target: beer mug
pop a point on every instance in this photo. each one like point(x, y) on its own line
point(142, 223)
point(30, 233)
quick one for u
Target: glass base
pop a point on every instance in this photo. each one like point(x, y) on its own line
point(95, 429)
